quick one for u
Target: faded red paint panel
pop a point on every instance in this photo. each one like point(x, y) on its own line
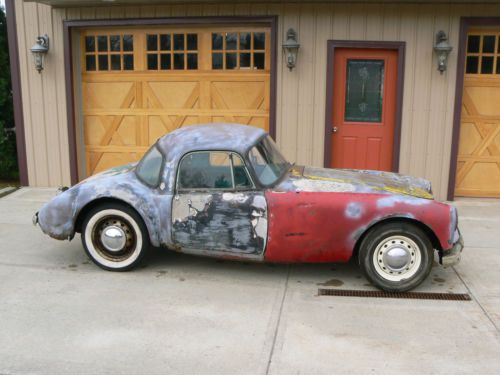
point(324, 227)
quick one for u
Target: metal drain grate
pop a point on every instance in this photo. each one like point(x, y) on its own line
point(381, 294)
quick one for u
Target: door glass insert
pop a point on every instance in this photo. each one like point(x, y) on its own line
point(364, 90)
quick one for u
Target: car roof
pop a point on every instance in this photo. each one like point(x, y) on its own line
point(214, 136)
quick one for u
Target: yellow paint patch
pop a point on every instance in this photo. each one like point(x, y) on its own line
point(416, 192)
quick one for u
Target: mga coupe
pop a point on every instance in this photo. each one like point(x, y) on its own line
point(225, 190)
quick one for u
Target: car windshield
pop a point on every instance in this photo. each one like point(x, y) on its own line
point(267, 162)
point(149, 168)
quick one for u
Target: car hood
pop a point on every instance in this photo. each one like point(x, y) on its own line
point(313, 179)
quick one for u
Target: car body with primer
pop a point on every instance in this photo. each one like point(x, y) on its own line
point(225, 190)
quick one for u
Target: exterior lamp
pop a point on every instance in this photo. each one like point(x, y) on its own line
point(443, 49)
point(39, 50)
point(291, 48)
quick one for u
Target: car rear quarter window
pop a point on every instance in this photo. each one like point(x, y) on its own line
point(149, 167)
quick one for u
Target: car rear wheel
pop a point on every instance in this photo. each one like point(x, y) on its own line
point(114, 237)
point(396, 257)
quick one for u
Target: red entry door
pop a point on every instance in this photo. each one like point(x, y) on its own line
point(364, 108)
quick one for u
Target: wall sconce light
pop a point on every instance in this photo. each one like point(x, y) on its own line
point(443, 49)
point(291, 48)
point(39, 50)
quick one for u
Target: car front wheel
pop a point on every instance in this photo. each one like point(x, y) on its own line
point(396, 257)
point(114, 237)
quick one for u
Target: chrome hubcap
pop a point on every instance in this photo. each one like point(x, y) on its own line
point(113, 238)
point(397, 258)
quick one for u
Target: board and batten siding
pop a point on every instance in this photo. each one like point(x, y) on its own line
point(428, 96)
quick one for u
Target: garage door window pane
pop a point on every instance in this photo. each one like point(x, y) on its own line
point(217, 61)
point(152, 42)
point(258, 60)
point(487, 65)
point(216, 41)
point(128, 42)
point(245, 60)
point(472, 64)
point(192, 61)
point(90, 63)
point(259, 41)
point(89, 44)
point(128, 62)
point(178, 61)
point(102, 43)
point(103, 62)
point(152, 61)
point(245, 41)
point(473, 43)
point(178, 42)
point(115, 62)
point(165, 42)
point(231, 61)
point(114, 41)
point(165, 62)
point(231, 41)
point(192, 42)
point(488, 43)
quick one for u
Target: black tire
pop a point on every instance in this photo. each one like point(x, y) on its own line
point(124, 226)
point(403, 258)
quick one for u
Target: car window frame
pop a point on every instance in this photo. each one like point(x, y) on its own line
point(160, 173)
point(234, 188)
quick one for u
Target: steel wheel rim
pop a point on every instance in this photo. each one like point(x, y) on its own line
point(114, 254)
point(397, 258)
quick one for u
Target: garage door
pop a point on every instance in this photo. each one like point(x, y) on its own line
point(478, 164)
point(139, 84)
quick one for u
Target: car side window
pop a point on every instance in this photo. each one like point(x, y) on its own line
point(212, 170)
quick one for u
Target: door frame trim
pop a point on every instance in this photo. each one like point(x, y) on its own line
point(70, 25)
point(465, 24)
point(400, 47)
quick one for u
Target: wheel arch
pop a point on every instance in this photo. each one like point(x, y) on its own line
point(99, 201)
point(394, 219)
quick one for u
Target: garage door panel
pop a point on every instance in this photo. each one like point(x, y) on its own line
point(171, 95)
point(127, 110)
point(106, 95)
point(126, 133)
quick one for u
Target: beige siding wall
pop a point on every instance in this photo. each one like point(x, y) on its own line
point(428, 96)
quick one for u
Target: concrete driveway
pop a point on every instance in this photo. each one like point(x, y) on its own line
point(185, 315)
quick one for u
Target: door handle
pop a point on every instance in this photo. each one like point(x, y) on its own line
point(334, 129)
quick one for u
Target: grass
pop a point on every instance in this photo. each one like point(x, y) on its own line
point(9, 183)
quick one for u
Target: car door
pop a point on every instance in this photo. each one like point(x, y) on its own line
point(216, 209)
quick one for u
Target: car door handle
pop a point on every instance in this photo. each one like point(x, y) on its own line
point(334, 129)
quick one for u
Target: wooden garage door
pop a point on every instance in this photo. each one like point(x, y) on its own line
point(139, 84)
point(478, 164)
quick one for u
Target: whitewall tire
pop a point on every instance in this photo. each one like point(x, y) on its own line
point(114, 237)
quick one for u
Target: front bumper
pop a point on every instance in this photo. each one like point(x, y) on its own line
point(452, 257)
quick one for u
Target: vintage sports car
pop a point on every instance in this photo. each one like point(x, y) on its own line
point(224, 190)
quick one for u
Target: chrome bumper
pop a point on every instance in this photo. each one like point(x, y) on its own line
point(452, 257)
